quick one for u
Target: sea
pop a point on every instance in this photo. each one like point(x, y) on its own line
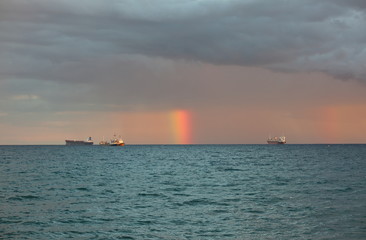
point(183, 192)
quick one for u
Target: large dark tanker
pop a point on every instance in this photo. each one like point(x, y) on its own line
point(89, 141)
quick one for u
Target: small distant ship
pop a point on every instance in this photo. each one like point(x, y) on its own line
point(114, 142)
point(276, 140)
point(103, 142)
point(89, 141)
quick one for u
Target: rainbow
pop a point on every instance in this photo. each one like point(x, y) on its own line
point(181, 126)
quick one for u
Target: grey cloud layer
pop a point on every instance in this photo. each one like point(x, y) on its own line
point(59, 40)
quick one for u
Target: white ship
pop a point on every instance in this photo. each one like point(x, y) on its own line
point(276, 140)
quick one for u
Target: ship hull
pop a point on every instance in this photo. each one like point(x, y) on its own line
point(275, 142)
point(116, 144)
point(77, 143)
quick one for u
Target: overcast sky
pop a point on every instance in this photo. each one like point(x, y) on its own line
point(243, 69)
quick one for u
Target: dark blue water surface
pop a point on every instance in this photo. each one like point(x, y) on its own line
point(183, 192)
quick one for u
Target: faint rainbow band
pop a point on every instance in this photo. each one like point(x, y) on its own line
point(181, 126)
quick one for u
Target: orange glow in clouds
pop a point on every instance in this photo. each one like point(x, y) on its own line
point(331, 123)
point(181, 126)
point(343, 123)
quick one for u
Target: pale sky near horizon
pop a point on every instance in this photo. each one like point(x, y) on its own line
point(177, 72)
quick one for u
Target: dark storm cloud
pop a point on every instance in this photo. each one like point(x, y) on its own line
point(75, 40)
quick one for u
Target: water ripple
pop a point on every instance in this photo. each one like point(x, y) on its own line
point(183, 192)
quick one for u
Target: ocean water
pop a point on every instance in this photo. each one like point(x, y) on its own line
point(183, 192)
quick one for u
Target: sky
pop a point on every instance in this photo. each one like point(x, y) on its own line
point(183, 72)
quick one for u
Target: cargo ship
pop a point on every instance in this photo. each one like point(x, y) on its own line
point(276, 140)
point(89, 141)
